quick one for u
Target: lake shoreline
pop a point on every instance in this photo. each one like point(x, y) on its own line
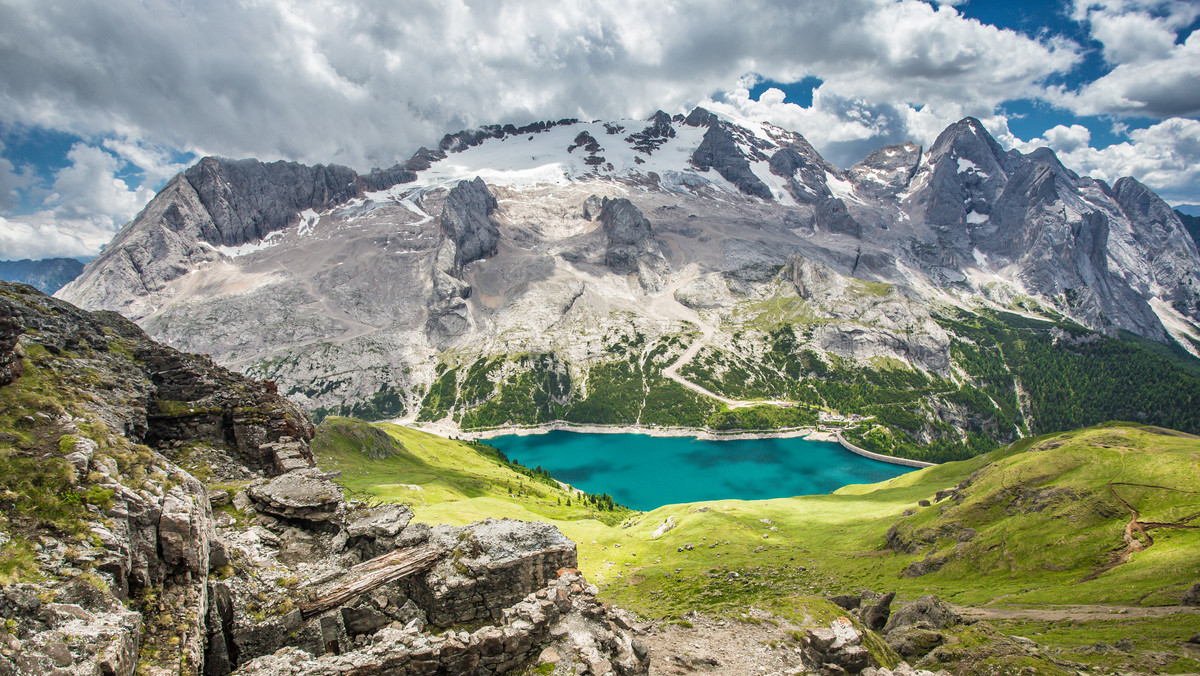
point(445, 430)
point(808, 433)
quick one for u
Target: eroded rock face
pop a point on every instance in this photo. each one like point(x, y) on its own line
point(10, 332)
point(466, 220)
point(562, 616)
point(487, 567)
point(628, 233)
point(248, 199)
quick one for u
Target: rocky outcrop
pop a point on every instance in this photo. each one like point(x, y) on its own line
point(466, 221)
point(303, 494)
point(11, 329)
point(592, 207)
point(63, 637)
point(487, 567)
point(719, 150)
point(838, 649)
point(926, 612)
point(871, 608)
point(469, 138)
point(168, 577)
point(1192, 596)
point(470, 235)
point(627, 233)
point(562, 618)
point(654, 135)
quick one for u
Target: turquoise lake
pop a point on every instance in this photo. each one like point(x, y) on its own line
point(644, 472)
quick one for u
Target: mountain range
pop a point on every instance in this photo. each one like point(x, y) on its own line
point(674, 271)
point(45, 274)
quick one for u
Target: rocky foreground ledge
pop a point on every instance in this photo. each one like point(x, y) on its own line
point(162, 515)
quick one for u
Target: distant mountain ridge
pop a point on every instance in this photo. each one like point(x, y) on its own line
point(527, 258)
point(45, 274)
point(1190, 223)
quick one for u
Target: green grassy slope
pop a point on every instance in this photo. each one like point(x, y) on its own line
point(1048, 531)
point(423, 469)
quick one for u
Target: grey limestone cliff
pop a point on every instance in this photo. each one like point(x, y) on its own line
point(466, 220)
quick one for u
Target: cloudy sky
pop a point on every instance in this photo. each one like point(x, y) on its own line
point(101, 102)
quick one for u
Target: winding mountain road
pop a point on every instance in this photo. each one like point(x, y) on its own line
point(668, 307)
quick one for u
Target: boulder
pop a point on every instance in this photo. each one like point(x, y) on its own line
point(838, 649)
point(846, 601)
point(1192, 596)
point(875, 615)
point(382, 521)
point(927, 612)
point(303, 494)
point(911, 642)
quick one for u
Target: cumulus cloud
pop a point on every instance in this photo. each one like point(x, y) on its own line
point(367, 81)
point(86, 205)
point(1153, 74)
point(42, 235)
point(844, 128)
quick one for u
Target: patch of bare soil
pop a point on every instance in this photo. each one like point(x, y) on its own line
point(761, 643)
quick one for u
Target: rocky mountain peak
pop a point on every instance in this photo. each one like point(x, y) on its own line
point(1140, 203)
point(700, 117)
point(968, 139)
point(248, 199)
point(720, 150)
point(887, 171)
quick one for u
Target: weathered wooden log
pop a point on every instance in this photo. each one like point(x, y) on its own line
point(372, 574)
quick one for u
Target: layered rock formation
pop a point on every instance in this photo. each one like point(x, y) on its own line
point(125, 561)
